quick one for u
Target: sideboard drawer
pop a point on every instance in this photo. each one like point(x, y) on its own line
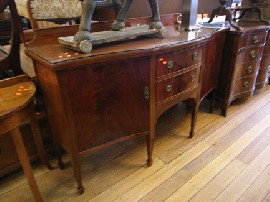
point(247, 69)
point(174, 62)
point(255, 38)
point(178, 84)
point(251, 54)
point(243, 85)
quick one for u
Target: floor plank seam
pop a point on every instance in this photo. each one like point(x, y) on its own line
point(253, 182)
point(234, 178)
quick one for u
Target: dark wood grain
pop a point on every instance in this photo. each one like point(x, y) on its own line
point(241, 62)
point(98, 99)
point(213, 57)
point(263, 74)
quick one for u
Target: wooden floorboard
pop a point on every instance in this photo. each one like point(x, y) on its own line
point(227, 160)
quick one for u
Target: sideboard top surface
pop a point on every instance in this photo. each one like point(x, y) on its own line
point(56, 57)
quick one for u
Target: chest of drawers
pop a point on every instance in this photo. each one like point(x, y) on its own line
point(241, 62)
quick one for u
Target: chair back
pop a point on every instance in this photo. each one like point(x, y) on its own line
point(62, 11)
point(10, 60)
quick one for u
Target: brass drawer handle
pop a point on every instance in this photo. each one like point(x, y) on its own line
point(146, 93)
point(255, 39)
point(252, 54)
point(192, 78)
point(195, 56)
point(249, 69)
point(168, 88)
point(170, 64)
point(246, 84)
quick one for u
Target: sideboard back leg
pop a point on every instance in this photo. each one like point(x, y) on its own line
point(58, 153)
point(224, 108)
point(212, 103)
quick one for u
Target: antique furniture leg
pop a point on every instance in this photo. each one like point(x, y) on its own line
point(224, 108)
point(38, 141)
point(20, 148)
point(150, 144)
point(76, 165)
point(212, 104)
point(57, 149)
point(194, 116)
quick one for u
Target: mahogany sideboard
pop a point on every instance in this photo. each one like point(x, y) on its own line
point(119, 90)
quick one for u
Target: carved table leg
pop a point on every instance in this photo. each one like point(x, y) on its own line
point(20, 148)
point(76, 165)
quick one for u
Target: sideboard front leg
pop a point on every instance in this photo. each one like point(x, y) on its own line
point(150, 145)
point(76, 165)
point(194, 113)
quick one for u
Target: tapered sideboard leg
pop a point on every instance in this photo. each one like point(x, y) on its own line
point(150, 146)
point(194, 116)
point(76, 165)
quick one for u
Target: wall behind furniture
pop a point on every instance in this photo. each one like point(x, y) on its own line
point(169, 6)
point(141, 8)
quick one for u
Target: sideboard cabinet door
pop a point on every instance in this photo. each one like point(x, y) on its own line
point(108, 101)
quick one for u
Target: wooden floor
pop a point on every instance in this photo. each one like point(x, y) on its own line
point(227, 160)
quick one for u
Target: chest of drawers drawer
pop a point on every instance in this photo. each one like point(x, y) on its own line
point(248, 55)
point(243, 85)
point(267, 48)
point(176, 85)
point(252, 39)
point(265, 63)
point(246, 69)
point(170, 63)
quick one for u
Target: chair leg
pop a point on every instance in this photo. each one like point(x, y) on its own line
point(20, 148)
point(38, 142)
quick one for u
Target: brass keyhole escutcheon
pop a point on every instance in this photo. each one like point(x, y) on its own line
point(195, 56)
point(255, 39)
point(146, 93)
point(246, 84)
point(249, 69)
point(170, 64)
point(192, 78)
point(168, 88)
point(252, 54)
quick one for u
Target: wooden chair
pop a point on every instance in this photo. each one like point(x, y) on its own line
point(17, 100)
point(63, 11)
